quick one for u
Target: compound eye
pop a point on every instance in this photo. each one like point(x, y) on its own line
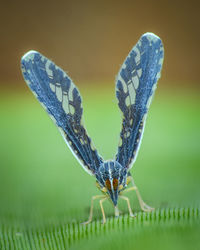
point(115, 184)
point(108, 184)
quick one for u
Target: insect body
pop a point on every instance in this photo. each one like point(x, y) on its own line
point(135, 86)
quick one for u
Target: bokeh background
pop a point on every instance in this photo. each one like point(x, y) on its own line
point(91, 38)
point(41, 184)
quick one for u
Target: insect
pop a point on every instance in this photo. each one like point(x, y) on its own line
point(135, 87)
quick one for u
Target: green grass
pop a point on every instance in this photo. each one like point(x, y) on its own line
point(45, 194)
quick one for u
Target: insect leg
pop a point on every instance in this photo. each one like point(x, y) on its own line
point(128, 203)
point(91, 208)
point(102, 210)
point(143, 205)
point(116, 212)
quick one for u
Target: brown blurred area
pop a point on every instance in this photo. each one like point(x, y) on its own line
point(90, 39)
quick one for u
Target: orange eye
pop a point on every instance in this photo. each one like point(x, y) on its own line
point(115, 184)
point(108, 184)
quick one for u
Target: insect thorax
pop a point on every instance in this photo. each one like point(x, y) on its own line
point(111, 178)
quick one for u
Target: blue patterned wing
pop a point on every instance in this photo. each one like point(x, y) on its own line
point(61, 99)
point(135, 86)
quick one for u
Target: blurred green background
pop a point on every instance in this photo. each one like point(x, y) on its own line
point(44, 192)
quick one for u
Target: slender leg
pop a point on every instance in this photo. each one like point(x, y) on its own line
point(128, 203)
point(116, 212)
point(143, 205)
point(102, 210)
point(128, 190)
point(91, 208)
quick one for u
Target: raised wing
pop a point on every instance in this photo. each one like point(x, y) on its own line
point(135, 86)
point(61, 99)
